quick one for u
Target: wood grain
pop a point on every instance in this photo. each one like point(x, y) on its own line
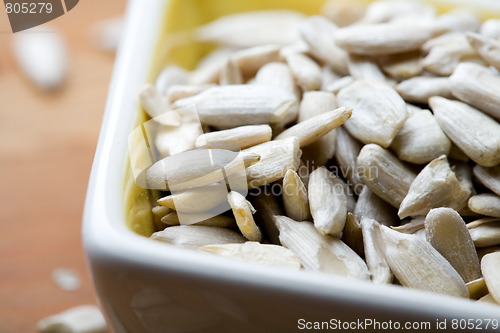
point(47, 143)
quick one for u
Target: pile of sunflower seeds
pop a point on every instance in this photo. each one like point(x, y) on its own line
point(369, 138)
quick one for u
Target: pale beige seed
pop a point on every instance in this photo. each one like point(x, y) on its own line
point(317, 31)
point(477, 86)
point(385, 38)
point(320, 151)
point(306, 72)
point(310, 130)
point(208, 220)
point(327, 202)
point(250, 60)
point(346, 154)
point(343, 12)
point(266, 27)
point(295, 197)
point(338, 85)
point(319, 252)
point(446, 231)
point(490, 266)
point(379, 111)
point(476, 134)
point(78, 319)
point(435, 186)
point(411, 227)
point(420, 140)
point(352, 234)
point(153, 102)
point(489, 177)
point(487, 47)
point(277, 74)
point(267, 207)
point(402, 66)
point(196, 200)
point(242, 136)
point(243, 211)
point(459, 20)
point(276, 158)
point(350, 195)
point(314, 103)
point(230, 73)
point(385, 11)
point(490, 28)
point(200, 167)
point(487, 204)
point(477, 288)
point(364, 67)
point(384, 174)
point(194, 236)
point(374, 252)
point(445, 52)
point(235, 105)
point(485, 232)
point(299, 46)
point(265, 254)
point(178, 91)
point(170, 76)
point(419, 89)
point(208, 69)
point(370, 206)
point(416, 264)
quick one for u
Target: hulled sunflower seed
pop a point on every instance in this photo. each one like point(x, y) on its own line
point(306, 72)
point(379, 111)
point(374, 252)
point(490, 28)
point(320, 151)
point(415, 224)
point(153, 102)
point(277, 74)
point(208, 68)
point(243, 211)
point(420, 140)
point(314, 103)
point(416, 264)
point(489, 177)
point(352, 234)
point(180, 91)
point(196, 200)
point(276, 158)
point(317, 31)
point(420, 89)
point(79, 319)
point(487, 204)
point(242, 136)
point(320, 252)
point(266, 254)
point(310, 130)
point(485, 232)
point(401, 66)
point(194, 236)
point(346, 154)
point(384, 174)
point(170, 76)
point(236, 105)
point(343, 12)
point(295, 197)
point(446, 231)
point(487, 47)
point(250, 60)
point(459, 20)
point(477, 86)
point(435, 186)
point(230, 73)
point(370, 206)
point(363, 67)
point(490, 266)
point(476, 134)
point(208, 220)
point(327, 201)
point(385, 11)
point(267, 207)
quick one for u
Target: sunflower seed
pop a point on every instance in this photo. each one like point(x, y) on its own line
point(295, 197)
point(276, 158)
point(243, 136)
point(384, 174)
point(374, 252)
point(379, 111)
point(327, 201)
point(420, 89)
point(352, 234)
point(208, 220)
point(314, 103)
point(209, 67)
point(459, 20)
point(485, 204)
point(230, 73)
point(267, 207)
point(490, 28)
point(153, 102)
point(416, 264)
point(476, 134)
point(306, 72)
point(196, 200)
point(79, 319)
point(320, 252)
point(370, 206)
point(485, 232)
point(489, 177)
point(243, 211)
point(170, 76)
point(313, 128)
point(320, 151)
point(317, 31)
point(346, 154)
point(385, 11)
point(435, 186)
point(364, 67)
point(194, 236)
point(477, 86)
point(487, 47)
point(250, 60)
point(490, 266)
point(446, 231)
point(266, 254)
point(179, 91)
point(343, 12)
point(401, 66)
point(277, 74)
point(415, 224)
point(420, 140)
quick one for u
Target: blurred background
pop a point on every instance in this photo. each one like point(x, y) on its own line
point(47, 144)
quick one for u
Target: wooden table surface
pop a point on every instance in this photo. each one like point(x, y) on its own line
point(47, 144)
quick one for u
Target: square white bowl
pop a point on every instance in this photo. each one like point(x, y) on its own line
point(147, 286)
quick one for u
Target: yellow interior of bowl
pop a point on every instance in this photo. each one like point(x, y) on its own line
point(176, 46)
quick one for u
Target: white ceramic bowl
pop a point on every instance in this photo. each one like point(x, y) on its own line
point(147, 286)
